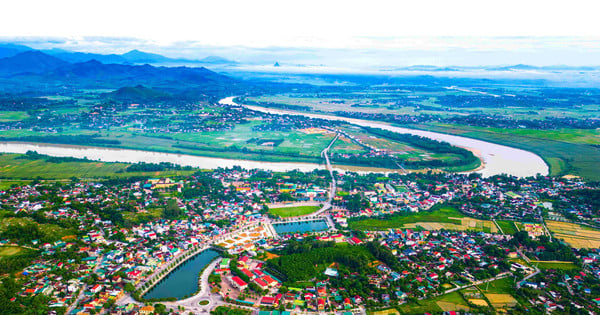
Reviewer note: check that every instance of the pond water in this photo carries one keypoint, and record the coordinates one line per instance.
(307, 226)
(183, 280)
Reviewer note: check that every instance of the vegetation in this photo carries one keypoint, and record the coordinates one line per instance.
(293, 211)
(397, 220)
(565, 156)
(39, 166)
(508, 227)
(226, 310)
(301, 261)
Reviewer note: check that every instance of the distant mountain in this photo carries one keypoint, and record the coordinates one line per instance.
(547, 68)
(9, 50)
(73, 57)
(32, 61)
(216, 60)
(426, 68)
(136, 56)
(138, 93)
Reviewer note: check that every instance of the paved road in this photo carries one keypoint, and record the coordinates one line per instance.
(530, 275)
(499, 276)
(84, 288)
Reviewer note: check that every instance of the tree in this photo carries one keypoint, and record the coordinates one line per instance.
(172, 211)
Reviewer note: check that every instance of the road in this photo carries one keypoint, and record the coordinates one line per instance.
(528, 261)
(499, 276)
(333, 186)
(84, 288)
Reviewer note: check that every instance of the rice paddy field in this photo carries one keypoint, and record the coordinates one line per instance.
(576, 235)
(445, 218)
(566, 151)
(443, 303)
(499, 293)
(508, 227)
(15, 166)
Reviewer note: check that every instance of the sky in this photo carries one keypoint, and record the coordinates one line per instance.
(396, 32)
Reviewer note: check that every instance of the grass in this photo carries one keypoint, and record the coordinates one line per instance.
(431, 305)
(507, 227)
(500, 286)
(440, 215)
(8, 251)
(293, 211)
(12, 116)
(567, 151)
(567, 265)
(14, 167)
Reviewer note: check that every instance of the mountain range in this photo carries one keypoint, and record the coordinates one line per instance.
(132, 57)
(36, 69)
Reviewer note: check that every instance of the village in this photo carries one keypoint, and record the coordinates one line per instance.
(111, 243)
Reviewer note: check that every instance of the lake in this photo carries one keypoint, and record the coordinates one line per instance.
(183, 280)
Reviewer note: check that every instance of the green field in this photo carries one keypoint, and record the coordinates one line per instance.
(14, 166)
(500, 286)
(8, 251)
(567, 265)
(565, 151)
(12, 116)
(441, 215)
(507, 227)
(293, 211)
(431, 305)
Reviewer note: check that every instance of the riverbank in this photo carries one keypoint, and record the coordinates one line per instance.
(496, 158)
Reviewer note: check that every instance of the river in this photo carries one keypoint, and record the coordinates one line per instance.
(497, 159)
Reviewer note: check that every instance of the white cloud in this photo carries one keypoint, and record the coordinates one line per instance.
(329, 23)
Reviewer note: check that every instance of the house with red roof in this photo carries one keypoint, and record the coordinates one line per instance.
(238, 283)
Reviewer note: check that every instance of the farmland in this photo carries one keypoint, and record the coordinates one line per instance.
(18, 166)
(444, 218)
(444, 303)
(576, 235)
(508, 227)
(565, 151)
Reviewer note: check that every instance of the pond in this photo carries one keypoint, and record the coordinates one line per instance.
(307, 226)
(183, 280)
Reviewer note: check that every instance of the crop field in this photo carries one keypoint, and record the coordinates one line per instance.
(445, 218)
(576, 235)
(419, 102)
(444, 303)
(508, 227)
(12, 116)
(560, 265)
(465, 224)
(293, 211)
(564, 152)
(15, 166)
(389, 311)
(501, 300)
(499, 292)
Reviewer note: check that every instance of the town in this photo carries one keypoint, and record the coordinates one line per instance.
(260, 243)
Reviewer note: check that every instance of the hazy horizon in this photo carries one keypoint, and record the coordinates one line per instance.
(375, 52)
